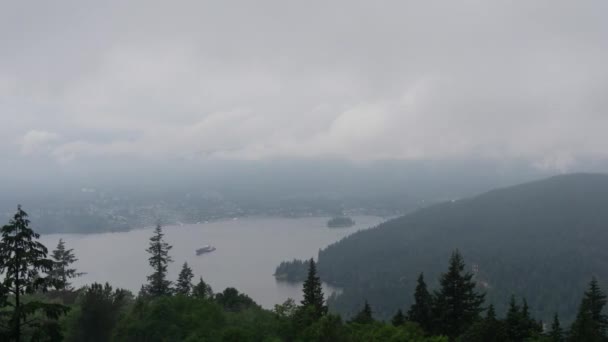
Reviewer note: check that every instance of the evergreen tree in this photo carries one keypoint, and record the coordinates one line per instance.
(61, 272)
(517, 321)
(584, 328)
(398, 319)
(313, 293)
(100, 309)
(143, 292)
(488, 329)
(364, 316)
(457, 304)
(421, 311)
(184, 281)
(590, 323)
(597, 301)
(556, 334)
(23, 261)
(202, 290)
(158, 285)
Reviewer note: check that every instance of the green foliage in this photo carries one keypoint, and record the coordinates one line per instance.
(398, 319)
(158, 285)
(184, 281)
(99, 310)
(232, 300)
(590, 323)
(488, 329)
(379, 332)
(176, 318)
(313, 293)
(457, 305)
(62, 260)
(421, 311)
(328, 328)
(23, 262)
(519, 324)
(295, 270)
(556, 334)
(597, 300)
(364, 316)
(286, 319)
(202, 290)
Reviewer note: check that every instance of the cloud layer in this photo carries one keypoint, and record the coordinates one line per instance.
(273, 79)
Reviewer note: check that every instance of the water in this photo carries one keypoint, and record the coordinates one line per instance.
(248, 250)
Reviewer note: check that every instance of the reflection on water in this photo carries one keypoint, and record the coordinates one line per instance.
(248, 250)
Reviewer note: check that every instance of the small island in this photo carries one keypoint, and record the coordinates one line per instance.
(340, 222)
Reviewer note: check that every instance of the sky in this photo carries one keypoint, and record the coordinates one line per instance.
(84, 81)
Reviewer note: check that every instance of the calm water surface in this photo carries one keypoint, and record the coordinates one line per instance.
(248, 250)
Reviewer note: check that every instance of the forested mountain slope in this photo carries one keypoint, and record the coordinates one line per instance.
(541, 240)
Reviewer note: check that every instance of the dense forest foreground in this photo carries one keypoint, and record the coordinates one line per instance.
(38, 303)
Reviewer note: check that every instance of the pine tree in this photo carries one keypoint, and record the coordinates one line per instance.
(184, 281)
(457, 304)
(202, 290)
(421, 311)
(556, 334)
(365, 316)
(313, 293)
(158, 285)
(61, 271)
(23, 261)
(398, 319)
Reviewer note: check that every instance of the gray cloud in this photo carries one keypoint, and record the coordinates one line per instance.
(272, 79)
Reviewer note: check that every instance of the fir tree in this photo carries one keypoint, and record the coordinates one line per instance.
(184, 281)
(158, 285)
(488, 329)
(517, 327)
(364, 316)
(398, 319)
(421, 311)
(23, 261)
(556, 334)
(584, 328)
(313, 293)
(457, 304)
(63, 258)
(143, 292)
(597, 301)
(202, 290)
(100, 309)
(590, 323)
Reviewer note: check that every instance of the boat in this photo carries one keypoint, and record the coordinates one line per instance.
(205, 249)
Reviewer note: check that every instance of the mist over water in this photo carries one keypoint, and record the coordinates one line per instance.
(248, 250)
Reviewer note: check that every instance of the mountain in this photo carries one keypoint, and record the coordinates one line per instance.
(542, 240)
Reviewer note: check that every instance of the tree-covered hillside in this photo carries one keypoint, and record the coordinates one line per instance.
(540, 240)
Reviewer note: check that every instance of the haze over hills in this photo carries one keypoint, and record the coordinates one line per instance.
(112, 199)
(541, 240)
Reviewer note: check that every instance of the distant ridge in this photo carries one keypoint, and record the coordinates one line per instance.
(543, 240)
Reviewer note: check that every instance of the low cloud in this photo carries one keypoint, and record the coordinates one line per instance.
(401, 80)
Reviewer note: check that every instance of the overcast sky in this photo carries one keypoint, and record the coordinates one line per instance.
(304, 79)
